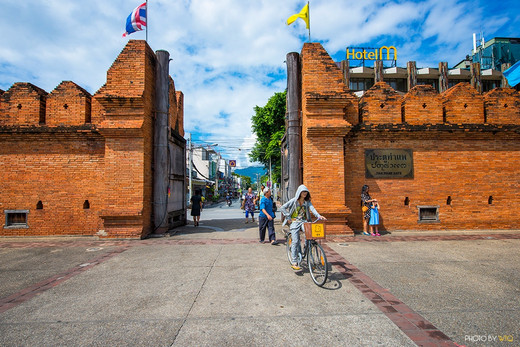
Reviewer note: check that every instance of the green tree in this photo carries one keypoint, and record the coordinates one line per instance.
(269, 127)
(246, 180)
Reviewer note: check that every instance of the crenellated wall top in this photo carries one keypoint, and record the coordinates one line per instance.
(322, 81)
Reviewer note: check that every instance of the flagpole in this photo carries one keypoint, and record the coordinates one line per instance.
(309, 14)
(147, 21)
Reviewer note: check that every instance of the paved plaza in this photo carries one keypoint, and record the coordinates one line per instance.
(216, 285)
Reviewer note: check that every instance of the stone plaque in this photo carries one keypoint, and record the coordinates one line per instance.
(388, 163)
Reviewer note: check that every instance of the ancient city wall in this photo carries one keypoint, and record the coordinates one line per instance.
(81, 164)
(469, 176)
(465, 150)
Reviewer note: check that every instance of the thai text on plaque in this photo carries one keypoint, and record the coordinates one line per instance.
(388, 163)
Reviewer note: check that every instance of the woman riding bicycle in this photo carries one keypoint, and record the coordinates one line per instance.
(296, 212)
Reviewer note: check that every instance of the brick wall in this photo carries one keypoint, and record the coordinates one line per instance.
(23, 104)
(62, 170)
(172, 102)
(421, 105)
(326, 105)
(82, 164)
(126, 107)
(180, 113)
(468, 167)
(502, 106)
(466, 151)
(463, 104)
(68, 104)
(380, 104)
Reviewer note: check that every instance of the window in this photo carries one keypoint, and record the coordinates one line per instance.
(357, 84)
(397, 83)
(205, 154)
(433, 82)
(489, 85)
(454, 82)
(428, 214)
(16, 219)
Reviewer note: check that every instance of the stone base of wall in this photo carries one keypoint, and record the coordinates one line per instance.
(337, 222)
(122, 227)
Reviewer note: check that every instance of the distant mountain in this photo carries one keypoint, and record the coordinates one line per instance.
(251, 171)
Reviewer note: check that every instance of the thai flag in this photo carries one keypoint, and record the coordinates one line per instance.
(136, 20)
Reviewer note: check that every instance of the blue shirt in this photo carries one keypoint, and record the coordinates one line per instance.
(268, 205)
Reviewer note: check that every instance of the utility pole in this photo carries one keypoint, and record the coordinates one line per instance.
(270, 177)
(190, 165)
(216, 171)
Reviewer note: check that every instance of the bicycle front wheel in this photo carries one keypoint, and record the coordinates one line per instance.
(288, 245)
(318, 266)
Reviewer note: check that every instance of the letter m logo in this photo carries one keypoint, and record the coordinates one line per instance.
(387, 52)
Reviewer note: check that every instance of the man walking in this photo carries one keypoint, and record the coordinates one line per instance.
(266, 217)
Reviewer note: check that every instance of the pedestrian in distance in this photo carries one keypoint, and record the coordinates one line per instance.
(296, 212)
(266, 217)
(249, 205)
(228, 198)
(366, 202)
(196, 207)
(260, 196)
(374, 219)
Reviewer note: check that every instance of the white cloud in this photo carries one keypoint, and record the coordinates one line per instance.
(228, 55)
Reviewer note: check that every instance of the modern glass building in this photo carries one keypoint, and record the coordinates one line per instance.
(497, 51)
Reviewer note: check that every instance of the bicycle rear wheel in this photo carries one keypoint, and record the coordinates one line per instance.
(317, 261)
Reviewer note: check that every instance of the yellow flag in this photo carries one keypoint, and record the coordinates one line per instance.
(304, 14)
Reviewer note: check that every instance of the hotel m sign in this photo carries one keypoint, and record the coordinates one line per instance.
(388, 163)
(360, 53)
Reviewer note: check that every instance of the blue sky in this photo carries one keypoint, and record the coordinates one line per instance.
(228, 55)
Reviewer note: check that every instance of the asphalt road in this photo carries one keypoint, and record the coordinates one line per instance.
(216, 285)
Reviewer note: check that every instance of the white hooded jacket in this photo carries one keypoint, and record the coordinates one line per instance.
(290, 206)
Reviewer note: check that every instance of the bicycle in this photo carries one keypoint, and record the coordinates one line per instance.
(313, 252)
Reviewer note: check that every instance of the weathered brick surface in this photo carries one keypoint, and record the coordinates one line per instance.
(321, 76)
(463, 104)
(468, 167)
(502, 106)
(380, 104)
(180, 113)
(23, 104)
(422, 104)
(465, 167)
(68, 104)
(88, 169)
(326, 105)
(172, 101)
(127, 112)
(62, 170)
